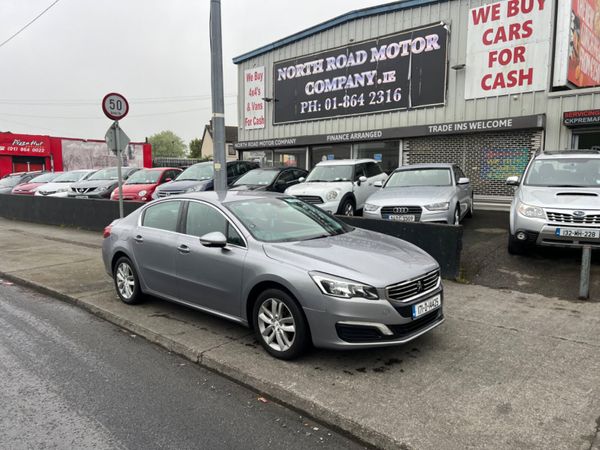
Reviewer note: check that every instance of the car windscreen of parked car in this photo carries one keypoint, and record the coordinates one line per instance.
(285, 220)
(419, 177)
(257, 177)
(197, 172)
(105, 174)
(577, 172)
(331, 173)
(44, 178)
(70, 177)
(144, 177)
(10, 181)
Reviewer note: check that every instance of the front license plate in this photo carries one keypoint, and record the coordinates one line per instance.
(428, 305)
(402, 218)
(578, 233)
(80, 196)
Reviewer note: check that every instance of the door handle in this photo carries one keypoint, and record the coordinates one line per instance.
(139, 239)
(183, 249)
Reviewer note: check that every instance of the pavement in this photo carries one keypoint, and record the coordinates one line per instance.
(507, 369)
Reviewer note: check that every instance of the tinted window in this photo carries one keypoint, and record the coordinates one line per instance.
(232, 170)
(286, 176)
(162, 216)
(202, 219)
(299, 174)
(373, 170)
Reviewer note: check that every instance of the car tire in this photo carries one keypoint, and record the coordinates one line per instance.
(471, 208)
(347, 207)
(515, 247)
(127, 282)
(280, 325)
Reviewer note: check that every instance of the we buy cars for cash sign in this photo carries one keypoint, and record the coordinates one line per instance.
(508, 46)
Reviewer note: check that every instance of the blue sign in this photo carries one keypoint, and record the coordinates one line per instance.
(377, 156)
(330, 157)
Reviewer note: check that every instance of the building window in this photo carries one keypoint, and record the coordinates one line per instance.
(328, 152)
(230, 150)
(387, 153)
(262, 157)
(290, 157)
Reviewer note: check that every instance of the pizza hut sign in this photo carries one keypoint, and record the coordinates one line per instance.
(508, 45)
(11, 144)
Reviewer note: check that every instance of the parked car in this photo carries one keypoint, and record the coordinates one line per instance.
(289, 270)
(423, 193)
(200, 177)
(340, 186)
(557, 201)
(30, 187)
(140, 186)
(61, 185)
(8, 182)
(276, 179)
(100, 184)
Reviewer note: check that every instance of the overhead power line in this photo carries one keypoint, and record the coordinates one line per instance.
(141, 100)
(28, 24)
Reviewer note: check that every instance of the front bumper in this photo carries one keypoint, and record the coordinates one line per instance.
(445, 216)
(96, 195)
(543, 232)
(357, 323)
(330, 207)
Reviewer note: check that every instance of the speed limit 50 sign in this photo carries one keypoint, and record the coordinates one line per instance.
(115, 106)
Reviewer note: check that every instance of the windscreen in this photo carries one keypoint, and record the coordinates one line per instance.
(144, 177)
(328, 173)
(420, 177)
(197, 172)
(257, 177)
(563, 172)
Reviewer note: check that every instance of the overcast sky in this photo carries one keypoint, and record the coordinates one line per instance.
(155, 52)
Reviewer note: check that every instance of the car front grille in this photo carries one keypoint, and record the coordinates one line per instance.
(402, 210)
(82, 190)
(559, 217)
(418, 286)
(47, 192)
(162, 194)
(313, 199)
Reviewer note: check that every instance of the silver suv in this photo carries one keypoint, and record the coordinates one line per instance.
(557, 201)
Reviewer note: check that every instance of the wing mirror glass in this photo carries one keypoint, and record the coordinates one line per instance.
(301, 180)
(214, 239)
(378, 183)
(512, 181)
(463, 180)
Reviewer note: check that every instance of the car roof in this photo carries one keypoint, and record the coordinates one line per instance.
(225, 197)
(568, 154)
(426, 166)
(345, 162)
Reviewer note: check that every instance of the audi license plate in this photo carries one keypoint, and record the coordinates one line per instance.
(402, 217)
(578, 233)
(427, 306)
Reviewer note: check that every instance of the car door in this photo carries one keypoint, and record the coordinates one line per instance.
(463, 191)
(210, 277)
(155, 246)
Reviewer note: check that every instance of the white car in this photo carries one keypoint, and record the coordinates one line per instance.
(340, 186)
(61, 185)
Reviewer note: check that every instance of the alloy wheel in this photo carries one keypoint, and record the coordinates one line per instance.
(125, 280)
(276, 324)
(348, 209)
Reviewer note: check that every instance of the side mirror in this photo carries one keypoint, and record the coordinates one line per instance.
(512, 181)
(378, 183)
(361, 179)
(301, 180)
(463, 180)
(214, 239)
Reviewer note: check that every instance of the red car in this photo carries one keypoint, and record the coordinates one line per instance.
(141, 184)
(29, 187)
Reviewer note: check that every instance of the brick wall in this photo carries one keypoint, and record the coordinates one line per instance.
(486, 158)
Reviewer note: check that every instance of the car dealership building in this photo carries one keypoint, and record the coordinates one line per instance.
(481, 85)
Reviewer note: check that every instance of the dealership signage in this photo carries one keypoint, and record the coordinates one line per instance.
(581, 118)
(254, 94)
(403, 70)
(468, 126)
(577, 56)
(24, 145)
(508, 44)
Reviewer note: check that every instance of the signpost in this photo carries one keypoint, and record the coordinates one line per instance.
(115, 107)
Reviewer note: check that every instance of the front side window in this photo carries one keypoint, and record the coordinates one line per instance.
(563, 172)
(419, 177)
(163, 216)
(203, 219)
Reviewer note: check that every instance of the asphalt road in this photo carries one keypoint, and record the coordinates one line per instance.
(549, 271)
(70, 380)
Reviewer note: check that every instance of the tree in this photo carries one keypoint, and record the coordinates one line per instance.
(167, 144)
(196, 148)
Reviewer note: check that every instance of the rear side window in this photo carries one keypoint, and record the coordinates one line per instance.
(373, 169)
(163, 216)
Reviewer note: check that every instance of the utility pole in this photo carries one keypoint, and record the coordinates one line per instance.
(218, 116)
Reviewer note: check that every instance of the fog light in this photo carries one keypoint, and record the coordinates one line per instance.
(521, 235)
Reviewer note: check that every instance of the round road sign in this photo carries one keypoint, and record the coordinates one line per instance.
(115, 106)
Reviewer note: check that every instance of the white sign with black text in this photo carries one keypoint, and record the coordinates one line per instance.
(254, 93)
(508, 46)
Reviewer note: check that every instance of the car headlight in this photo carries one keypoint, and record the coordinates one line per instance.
(442, 206)
(197, 188)
(102, 188)
(370, 207)
(343, 288)
(63, 189)
(331, 195)
(531, 211)
(142, 193)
